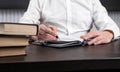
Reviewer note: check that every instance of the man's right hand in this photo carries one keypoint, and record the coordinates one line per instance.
(45, 33)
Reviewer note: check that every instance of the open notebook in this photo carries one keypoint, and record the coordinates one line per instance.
(60, 44)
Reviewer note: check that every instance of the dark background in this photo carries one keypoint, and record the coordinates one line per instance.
(14, 4)
(22, 4)
(111, 5)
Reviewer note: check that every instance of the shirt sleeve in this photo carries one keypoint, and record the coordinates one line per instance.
(32, 14)
(102, 21)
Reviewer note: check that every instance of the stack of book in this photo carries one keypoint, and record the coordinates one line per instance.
(14, 38)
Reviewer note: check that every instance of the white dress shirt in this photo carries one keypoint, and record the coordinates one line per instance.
(72, 18)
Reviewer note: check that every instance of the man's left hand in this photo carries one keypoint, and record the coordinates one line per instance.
(98, 37)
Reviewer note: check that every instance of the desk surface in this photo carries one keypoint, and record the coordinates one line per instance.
(106, 56)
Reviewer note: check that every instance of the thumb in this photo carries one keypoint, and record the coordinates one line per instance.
(32, 38)
(54, 30)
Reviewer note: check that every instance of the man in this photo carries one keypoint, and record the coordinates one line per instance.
(71, 20)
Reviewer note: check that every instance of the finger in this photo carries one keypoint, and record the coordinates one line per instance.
(54, 29)
(47, 37)
(91, 35)
(41, 32)
(33, 38)
(99, 42)
(46, 29)
(93, 41)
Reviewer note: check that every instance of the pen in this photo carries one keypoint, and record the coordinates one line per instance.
(51, 28)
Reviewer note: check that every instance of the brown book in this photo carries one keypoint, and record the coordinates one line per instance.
(18, 29)
(13, 40)
(12, 51)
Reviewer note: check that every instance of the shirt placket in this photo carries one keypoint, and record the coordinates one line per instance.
(69, 16)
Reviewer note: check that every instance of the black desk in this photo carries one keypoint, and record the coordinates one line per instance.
(42, 59)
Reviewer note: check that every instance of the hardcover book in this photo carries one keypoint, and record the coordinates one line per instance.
(11, 40)
(18, 29)
(12, 51)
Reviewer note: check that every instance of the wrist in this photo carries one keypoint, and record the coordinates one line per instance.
(110, 33)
